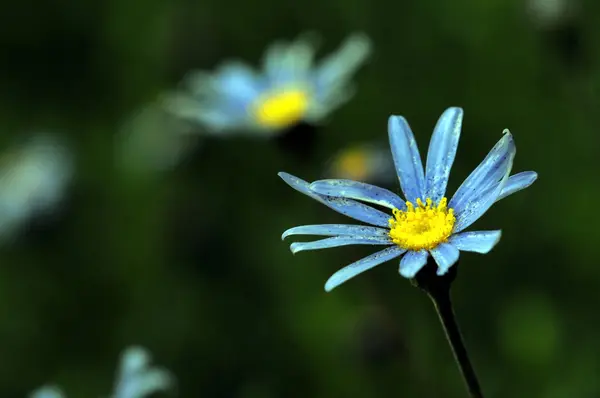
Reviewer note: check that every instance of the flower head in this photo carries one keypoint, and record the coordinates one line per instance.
(136, 378)
(424, 222)
(289, 89)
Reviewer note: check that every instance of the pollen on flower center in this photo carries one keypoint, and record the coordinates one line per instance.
(423, 226)
(281, 108)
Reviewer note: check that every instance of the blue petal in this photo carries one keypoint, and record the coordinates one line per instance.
(479, 179)
(335, 230)
(337, 68)
(406, 158)
(347, 207)
(218, 119)
(517, 182)
(442, 150)
(445, 255)
(473, 197)
(359, 191)
(514, 183)
(412, 262)
(276, 63)
(476, 241)
(337, 241)
(360, 266)
(238, 81)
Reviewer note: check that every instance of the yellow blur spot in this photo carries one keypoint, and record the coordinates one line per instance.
(281, 108)
(352, 164)
(422, 227)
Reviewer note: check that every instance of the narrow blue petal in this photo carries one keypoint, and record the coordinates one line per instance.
(479, 180)
(412, 262)
(279, 63)
(445, 255)
(358, 211)
(336, 230)
(358, 190)
(514, 183)
(238, 81)
(347, 207)
(442, 150)
(337, 241)
(300, 185)
(474, 204)
(336, 69)
(360, 266)
(218, 119)
(476, 241)
(406, 158)
(517, 182)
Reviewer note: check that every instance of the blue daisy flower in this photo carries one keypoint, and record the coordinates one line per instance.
(137, 378)
(290, 89)
(425, 223)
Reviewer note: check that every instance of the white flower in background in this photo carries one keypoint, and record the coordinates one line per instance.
(33, 178)
(153, 140)
(363, 162)
(136, 378)
(551, 13)
(290, 88)
(47, 392)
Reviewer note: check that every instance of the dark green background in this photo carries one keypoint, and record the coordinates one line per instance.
(190, 264)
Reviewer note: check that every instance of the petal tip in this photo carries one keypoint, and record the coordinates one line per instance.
(294, 248)
(534, 176)
(455, 110)
(396, 124)
(408, 273)
(330, 285)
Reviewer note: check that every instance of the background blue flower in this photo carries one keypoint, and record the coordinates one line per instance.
(225, 101)
(135, 378)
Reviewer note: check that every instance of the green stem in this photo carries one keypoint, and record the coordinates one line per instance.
(443, 306)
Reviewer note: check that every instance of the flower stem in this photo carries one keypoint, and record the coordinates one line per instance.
(438, 289)
(443, 306)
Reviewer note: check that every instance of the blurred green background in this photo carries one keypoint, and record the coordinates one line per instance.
(190, 263)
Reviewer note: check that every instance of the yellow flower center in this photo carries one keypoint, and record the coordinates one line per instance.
(281, 108)
(422, 227)
(353, 164)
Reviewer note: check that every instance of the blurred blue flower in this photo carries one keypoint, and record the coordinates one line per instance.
(135, 378)
(426, 223)
(33, 178)
(290, 88)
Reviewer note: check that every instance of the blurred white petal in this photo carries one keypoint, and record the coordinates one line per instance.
(137, 378)
(33, 178)
(153, 140)
(47, 392)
